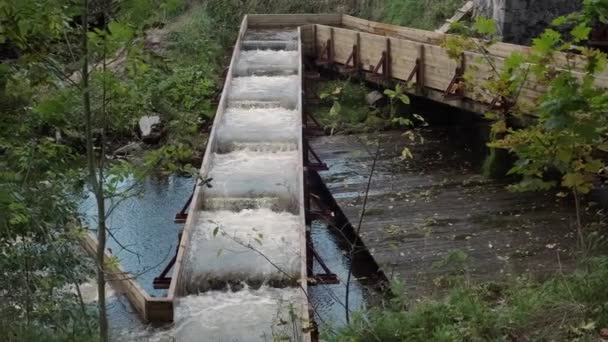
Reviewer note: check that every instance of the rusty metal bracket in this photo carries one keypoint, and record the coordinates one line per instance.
(327, 278)
(384, 63)
(418, 71)
(162, 281)
(315, 127)
(455, 89)
(182, 216)
(328, 51)
(500, 102)
(354, 57)
(317, 165)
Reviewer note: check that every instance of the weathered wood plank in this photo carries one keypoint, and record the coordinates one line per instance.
(421, 210)
(176, 288)
(467, 8)
(502, 50)
(149, 309)
(439, 68)
(269, 20)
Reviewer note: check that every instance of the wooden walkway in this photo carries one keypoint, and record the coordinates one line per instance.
(421, 210)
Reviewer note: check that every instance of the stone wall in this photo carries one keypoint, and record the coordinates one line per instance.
(521, 20)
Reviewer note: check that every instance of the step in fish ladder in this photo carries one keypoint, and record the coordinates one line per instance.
(243, 246)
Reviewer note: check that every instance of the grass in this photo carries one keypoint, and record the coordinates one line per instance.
(422, 14)
(564, 308)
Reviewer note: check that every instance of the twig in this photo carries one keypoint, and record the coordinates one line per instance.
(361, 217)
(249, 246)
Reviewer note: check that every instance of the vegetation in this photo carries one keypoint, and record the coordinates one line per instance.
(72, 89)
(567, 307)
(428, 14)
(561, 146)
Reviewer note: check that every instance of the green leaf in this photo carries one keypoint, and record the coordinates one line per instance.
(491, 116)
(406, 154)
(603, 147)
(215, 231)
(499, 127)
(576, 181)
(547, 42)
(594, 166)
(335, 109)
(390, 93)
(404, 99)
(581, 32)
(485, 26)
(559, 21)
(514, 61)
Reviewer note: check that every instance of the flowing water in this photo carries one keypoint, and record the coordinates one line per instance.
(244, 255)
(248, 231)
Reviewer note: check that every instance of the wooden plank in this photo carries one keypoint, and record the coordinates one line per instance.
(439, 68)
(412, 223)
(307, 38)
(460, 13)
(149, 309)
(502, 50)
(304, 311)
(176, 287)
(269, 20)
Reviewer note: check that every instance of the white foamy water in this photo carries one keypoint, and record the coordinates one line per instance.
(273, 129)
(246, 232)
(262, 62)
(244, 316)
(281, 89)
(237, 251)
(252, 174)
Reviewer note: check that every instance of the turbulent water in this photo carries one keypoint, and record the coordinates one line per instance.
(219, 252)
(252, 201)
(248, 229)
(251, 174)
(245, 315)
(270, 129)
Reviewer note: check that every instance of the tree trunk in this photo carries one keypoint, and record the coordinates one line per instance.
(95, 179)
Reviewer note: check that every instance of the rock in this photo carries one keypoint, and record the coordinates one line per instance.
(375, 98)
(128, 149)
(150, 129)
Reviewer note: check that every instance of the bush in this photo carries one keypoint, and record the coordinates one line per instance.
(427, 14)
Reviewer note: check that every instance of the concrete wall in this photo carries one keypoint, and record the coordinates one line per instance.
(521, 20)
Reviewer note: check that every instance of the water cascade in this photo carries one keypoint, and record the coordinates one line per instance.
(244, 258)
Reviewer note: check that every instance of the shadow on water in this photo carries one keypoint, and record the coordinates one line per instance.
(329, 300)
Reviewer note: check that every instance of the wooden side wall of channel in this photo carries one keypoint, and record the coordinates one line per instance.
(148, 308)
(499, 49)
(438, 68)
(274, 20)
(176, 287)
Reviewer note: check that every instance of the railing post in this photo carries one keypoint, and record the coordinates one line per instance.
(420, 73)
(388, 61)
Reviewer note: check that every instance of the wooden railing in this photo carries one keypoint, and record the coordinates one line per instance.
(388, 52)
